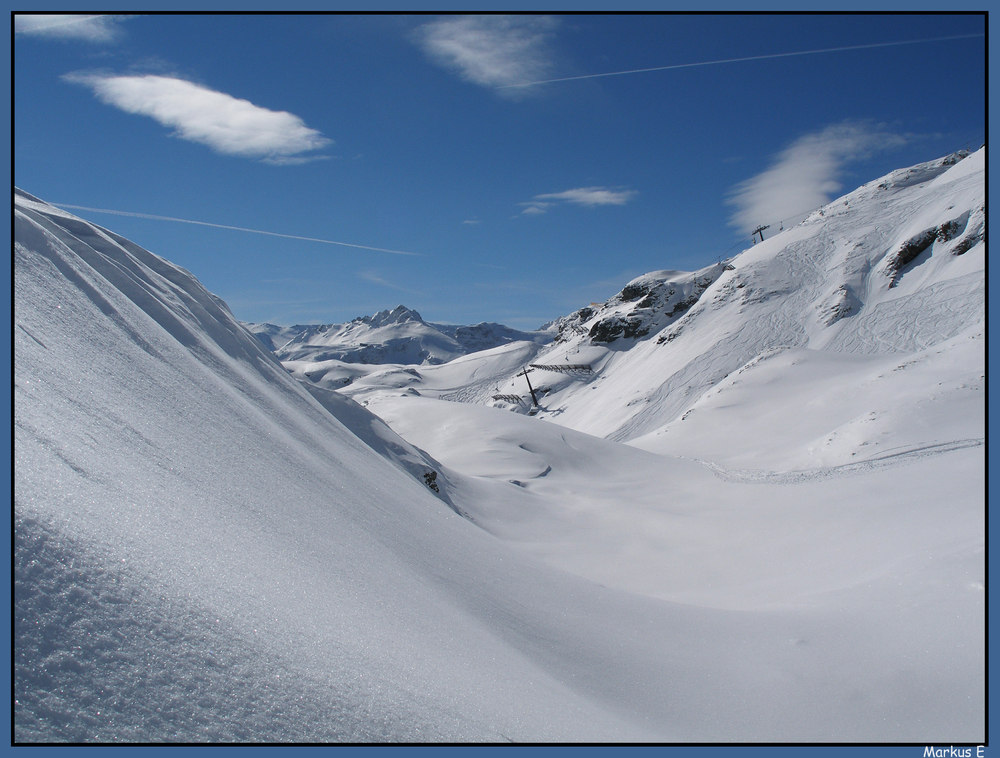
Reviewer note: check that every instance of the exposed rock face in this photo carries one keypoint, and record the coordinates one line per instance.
(645, 305)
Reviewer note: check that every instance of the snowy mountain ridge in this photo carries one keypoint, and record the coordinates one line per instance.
(399, 335)
(895, 267)
(648, 303)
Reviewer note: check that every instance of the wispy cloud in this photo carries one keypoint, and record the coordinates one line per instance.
(375, 278)
(805, 175)
(590, 196)
(67, 26)
(224, 123)
(534, 208)
(586, 196)
(232, 228)
(491, 51)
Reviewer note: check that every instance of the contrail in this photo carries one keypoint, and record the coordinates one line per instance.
(741, 60)
(233, 228)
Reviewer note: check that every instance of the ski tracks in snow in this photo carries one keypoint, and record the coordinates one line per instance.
(875, 463)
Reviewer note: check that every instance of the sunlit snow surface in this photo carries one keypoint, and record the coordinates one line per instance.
(777, 533)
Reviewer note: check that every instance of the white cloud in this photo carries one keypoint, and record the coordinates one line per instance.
(591, 196)
(224, 123)
(805, 175)
(67, 26)
(492, 51)
(535, 209)
(585, 196)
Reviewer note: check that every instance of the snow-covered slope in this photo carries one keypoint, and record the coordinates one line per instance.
(399, 336)
(205, 552)
(816, 411)
(207, 548)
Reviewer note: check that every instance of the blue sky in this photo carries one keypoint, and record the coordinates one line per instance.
(455, 189)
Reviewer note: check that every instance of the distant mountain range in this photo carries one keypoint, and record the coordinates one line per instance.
(396, 336)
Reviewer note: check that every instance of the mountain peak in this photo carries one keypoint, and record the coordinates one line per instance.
(398, 315)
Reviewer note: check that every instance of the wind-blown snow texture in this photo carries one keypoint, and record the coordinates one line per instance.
(791, 547)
